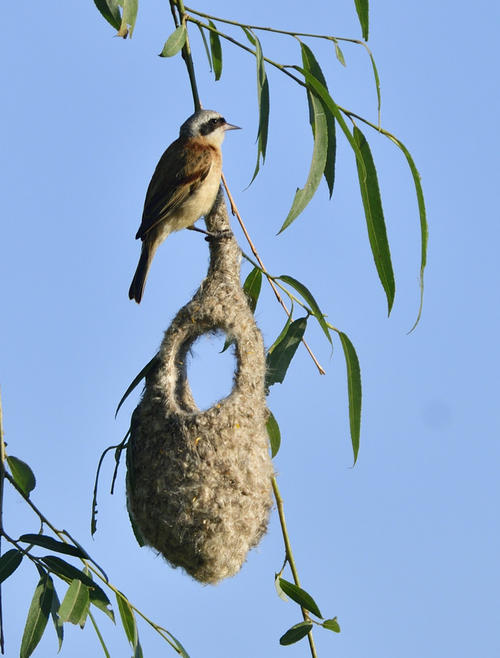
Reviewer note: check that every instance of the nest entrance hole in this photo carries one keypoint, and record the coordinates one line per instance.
(210, 370)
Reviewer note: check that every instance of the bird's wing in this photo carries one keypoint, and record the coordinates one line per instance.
(175, 178)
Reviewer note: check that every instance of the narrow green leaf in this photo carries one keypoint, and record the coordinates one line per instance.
(277, 586)
(320, 148)
(75, 604)
(179, 647)
(205, 43)
(38, 615)
(374, 215)
(263, 102)
(424, 231)
(82, 550)
(175, 42)
(103, 605)
(331, 153)
(283, 332)
(22, 474)
(99, 635)
(216, 48)
(273, 431)
(9, 563)
(312, 65)
(109, 10)
(310, 301)
(68, 573)
(296, 633)
(338, 52)
(279, 359)
(332, 625)
(300, 596)
(58, 623)
(250, 36)
(263, 108)
(252, 287)
(227, 344)
(323, 93)
(128, 619)
(138, 651)
(362, 9)
(354, 391)
(129, 15)
(53, 545)
(144, 373)
(377, 83)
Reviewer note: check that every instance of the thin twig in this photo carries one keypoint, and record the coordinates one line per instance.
(289, 556)
(277, 65)
(235, 212)
(291, 33)
(173, 7)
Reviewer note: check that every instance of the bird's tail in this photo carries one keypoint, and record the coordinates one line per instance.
(141, 273)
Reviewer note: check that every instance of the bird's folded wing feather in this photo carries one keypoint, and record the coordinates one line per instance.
(176, 177)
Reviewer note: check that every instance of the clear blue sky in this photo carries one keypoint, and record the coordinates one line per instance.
(404, 547)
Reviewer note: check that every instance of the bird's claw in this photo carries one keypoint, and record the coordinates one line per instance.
(220, 235)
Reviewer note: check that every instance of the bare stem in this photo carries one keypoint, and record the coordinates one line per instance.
(289, 556)
(174, 15)
(235, 212)
(186, 56)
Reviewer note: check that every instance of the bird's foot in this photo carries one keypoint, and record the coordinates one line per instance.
(219, 235)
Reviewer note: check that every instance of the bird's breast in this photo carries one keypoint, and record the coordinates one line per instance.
(201, 200)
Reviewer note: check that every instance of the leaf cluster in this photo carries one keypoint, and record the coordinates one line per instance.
(308, 605)
(82, 594)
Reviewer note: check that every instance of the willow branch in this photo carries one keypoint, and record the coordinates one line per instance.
(289, 556)
(292, 33)
(284, 69)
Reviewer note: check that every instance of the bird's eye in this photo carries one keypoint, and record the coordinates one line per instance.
(211, 125)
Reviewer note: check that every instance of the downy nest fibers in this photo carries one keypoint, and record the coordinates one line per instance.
(199, 482)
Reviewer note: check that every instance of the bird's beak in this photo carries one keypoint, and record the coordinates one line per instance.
(229, 126)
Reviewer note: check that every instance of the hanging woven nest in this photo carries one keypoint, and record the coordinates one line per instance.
(199, 482)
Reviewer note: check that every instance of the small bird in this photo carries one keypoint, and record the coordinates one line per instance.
(183, 187)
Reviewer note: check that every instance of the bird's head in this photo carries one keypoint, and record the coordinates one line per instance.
(208, 124)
